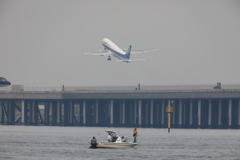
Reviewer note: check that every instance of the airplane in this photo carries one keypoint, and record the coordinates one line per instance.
(122, 55)
(4, 82)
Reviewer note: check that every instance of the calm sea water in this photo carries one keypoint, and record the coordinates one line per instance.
(47, 142)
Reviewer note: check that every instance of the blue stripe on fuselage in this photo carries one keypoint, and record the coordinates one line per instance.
(117, 53)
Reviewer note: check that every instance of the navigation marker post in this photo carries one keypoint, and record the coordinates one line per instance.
(169, 109)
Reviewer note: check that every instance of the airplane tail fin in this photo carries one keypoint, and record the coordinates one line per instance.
(128, 52)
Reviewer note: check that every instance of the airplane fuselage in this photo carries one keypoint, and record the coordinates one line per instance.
(123, 55)
(115, 50)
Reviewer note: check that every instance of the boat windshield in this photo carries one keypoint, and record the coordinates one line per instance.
(113, 134)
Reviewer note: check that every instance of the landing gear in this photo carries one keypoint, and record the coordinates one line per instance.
(109, 58)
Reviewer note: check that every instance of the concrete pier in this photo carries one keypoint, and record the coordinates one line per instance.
(192, 108)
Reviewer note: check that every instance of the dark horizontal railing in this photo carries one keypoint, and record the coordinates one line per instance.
(122, 88)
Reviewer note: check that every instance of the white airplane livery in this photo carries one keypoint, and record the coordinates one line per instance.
(122, 55)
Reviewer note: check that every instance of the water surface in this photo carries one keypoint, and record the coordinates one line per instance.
(48, 142)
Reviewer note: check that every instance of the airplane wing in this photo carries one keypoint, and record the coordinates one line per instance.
(132, 60)
(99, 53)
(140, 51)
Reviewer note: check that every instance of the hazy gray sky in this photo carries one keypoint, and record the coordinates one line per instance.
(42, 42)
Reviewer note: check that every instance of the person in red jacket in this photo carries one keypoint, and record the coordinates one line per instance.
(135, 133)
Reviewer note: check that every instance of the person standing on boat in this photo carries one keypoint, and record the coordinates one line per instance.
(94, 142)
(135, 133)
(109, 137)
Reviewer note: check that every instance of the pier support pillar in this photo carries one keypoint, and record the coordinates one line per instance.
(158, 112)
(54, 113)
(59, 113)
(131, 113)
(1, 112)
(174, 113)
(184, 113)
(191, 113)
(24, 112)
(62, 112)
(169, 103)
(162, 111)
(219, 113)
(111, 112)
(151, 113)
(239, 113)
(96, 112)
(230, 113)
(79, 113)
(4, 112)
(209, 113)
(180, 114)
(135, 113)
(199, 113)
(66, 113)
(8, 111)
(147, 113)
(46, 113)
(11, 113)
(31, 112)
(139, 112)
(71, 113)
(123, 112)
(84, 112)
(36, 111)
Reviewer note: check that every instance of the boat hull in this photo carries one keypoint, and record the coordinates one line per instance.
(115, 145)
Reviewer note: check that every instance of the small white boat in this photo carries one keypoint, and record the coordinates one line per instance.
(115, 143)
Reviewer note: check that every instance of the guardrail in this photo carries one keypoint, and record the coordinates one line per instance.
(125, 88)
